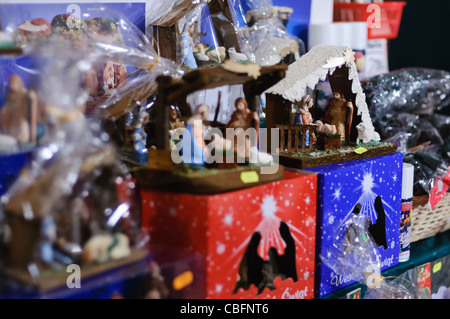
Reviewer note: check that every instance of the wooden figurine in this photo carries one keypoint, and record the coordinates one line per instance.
(340, 114)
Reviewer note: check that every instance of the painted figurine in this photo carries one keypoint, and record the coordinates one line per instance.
(174, 121)
(186, 43)
(304, 117)
(196, 157)
(243, 118)
(49, 236)
(325, 128)
(19, 114)
(340, 114)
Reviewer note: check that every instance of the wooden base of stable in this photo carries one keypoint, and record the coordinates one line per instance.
(11, 51)
(207, 181)
(51, 279)
(345, 154)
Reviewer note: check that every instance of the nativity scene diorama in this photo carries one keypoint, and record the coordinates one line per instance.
(192, 154)
(310, 138)
(186, 35)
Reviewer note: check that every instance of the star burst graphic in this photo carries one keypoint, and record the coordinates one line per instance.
(269, 228)
(367, 198)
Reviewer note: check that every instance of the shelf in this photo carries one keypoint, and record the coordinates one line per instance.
(422, 252)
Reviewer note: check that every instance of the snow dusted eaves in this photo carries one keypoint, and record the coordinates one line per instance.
(313, 67)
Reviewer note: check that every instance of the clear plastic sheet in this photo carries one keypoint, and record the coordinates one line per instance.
(354, 253)
(406, 107)
(129, 62)
(75, 196)
(118, 67)
(265, 40)
(183, 31)
(198, 37)
(75, 201)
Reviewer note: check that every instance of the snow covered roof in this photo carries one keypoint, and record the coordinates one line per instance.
(313, 67)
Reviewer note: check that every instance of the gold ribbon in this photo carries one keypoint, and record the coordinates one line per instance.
(62, 115)
(149, 66)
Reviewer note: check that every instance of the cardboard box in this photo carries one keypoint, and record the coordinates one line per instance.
(341, 187)
(224, 228)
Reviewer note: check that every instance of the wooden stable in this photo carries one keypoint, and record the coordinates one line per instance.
(162, 173)
(166, 32)
(337, 65)
(224, 25)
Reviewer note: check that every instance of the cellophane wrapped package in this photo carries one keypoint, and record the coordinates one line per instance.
(74, 203)
(262, 36)
(183, 31)
(407, 108)
(354, 252)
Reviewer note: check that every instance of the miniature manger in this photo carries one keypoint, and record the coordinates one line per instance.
(344, 133)
(193, 173)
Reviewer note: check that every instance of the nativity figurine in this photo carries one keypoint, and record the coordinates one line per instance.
(340, 114)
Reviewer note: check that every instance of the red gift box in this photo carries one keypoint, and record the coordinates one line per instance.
(233, 233)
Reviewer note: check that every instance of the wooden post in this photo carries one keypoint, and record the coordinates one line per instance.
(297, 132)
(162, 115)
(281, 128)
(166, 41)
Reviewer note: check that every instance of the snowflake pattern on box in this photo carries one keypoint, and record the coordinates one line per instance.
(341, 187)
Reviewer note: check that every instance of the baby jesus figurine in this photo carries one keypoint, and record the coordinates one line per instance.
(340, 114)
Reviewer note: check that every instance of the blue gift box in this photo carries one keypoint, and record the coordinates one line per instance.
(341, 187)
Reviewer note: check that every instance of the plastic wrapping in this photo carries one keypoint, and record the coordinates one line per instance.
(129, 60)
(354, 253)
(264, 38)
(198, 35)
(406, 107)
(74, 202)
(118, 67)
(75, 198)
(183, 31)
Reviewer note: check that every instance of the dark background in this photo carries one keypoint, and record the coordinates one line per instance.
(424, 35)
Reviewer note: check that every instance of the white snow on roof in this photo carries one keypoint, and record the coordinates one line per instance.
(313, 67)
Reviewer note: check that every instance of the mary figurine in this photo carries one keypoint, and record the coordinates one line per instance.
(186, 43)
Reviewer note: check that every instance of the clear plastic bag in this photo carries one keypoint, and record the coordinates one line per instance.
(405, 105)
(354, 252)
(129, 62)
(74, 203)
(183, 31)
(264, 39)
(75, 196)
